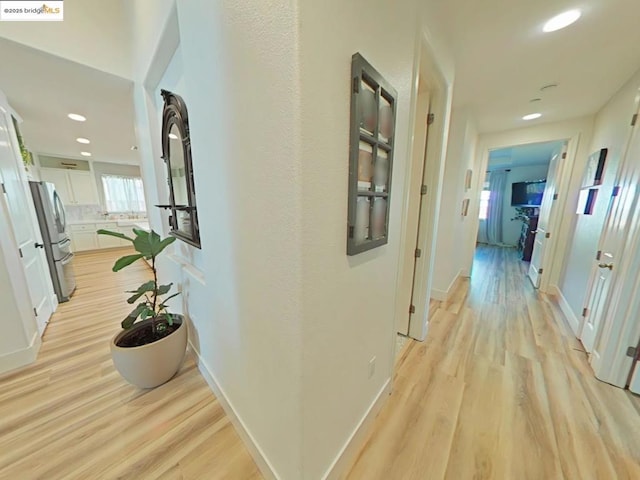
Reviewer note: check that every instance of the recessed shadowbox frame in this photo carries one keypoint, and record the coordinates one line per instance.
(371, 149)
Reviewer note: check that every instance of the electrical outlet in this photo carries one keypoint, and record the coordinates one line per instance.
(372, 366)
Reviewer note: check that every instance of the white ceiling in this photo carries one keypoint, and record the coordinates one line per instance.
(43, 89)
(522, 155)
(502, 57)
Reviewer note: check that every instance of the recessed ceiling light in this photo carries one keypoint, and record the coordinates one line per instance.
(77, 117)
(561, 21)
(85, 154)
(173, 136)
(86, 141)
(532, 116)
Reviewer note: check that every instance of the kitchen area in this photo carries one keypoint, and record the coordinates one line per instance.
(74, 199)
(69, 166)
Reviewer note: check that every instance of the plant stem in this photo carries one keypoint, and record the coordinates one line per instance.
(155, 293)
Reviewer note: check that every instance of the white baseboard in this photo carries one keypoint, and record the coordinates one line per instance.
(21, 358)
(254, 449)
(354, 443)
(572, 320)
(443, 295)
(347, 453)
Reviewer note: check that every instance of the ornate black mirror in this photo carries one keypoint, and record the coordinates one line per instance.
(176, 152)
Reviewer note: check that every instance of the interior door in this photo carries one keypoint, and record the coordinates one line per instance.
(23, 219)
(542, 233)
(597, 301)
(612, 326)
(634, 382)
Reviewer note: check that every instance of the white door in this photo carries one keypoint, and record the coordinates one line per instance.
(634, 385)
(597, 300)
(23, 219)
(414, 201)
(544, 219)
(612, 327)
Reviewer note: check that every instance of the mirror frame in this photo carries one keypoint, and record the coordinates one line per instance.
(175, 113)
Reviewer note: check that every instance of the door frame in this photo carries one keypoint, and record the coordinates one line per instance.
(553, 222)
(527, 136)
(429, 70)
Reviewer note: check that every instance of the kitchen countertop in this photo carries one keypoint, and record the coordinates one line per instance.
(121, 221)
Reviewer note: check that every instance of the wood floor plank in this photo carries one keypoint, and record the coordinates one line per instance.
(510, 389)
(71, 416)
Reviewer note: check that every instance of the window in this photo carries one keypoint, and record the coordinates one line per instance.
(485, 195)
(123, 194)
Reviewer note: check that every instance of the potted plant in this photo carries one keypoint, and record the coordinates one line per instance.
(151, 346)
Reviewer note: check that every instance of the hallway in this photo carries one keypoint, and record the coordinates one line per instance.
(71, 416)
(501, 389)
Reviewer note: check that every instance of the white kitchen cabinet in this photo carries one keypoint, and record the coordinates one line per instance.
(60, 179)
(83, 188)
(74, 187)
(106, 241)
(82, 241)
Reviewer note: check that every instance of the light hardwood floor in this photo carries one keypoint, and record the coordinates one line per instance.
(501, 389)
(71, 416)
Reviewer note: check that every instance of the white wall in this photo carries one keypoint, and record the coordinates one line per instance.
(94, 33)
(453, 228)
(612, 128)
(284, 321)
(348, 301)
(511, 229)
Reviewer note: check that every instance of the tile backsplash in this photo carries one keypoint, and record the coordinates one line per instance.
(78, 213)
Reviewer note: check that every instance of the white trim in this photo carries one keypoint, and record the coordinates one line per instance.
(571, 318)
(352, 446)
(249, 441)
(429, 68)
(20, 358)
(444, 295)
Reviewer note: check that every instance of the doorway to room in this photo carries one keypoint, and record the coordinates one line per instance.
(517, 202)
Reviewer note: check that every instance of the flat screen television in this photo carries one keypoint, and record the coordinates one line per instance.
(527, 194)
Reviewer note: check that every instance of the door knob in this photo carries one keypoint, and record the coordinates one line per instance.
(39, 245)
(606, 265)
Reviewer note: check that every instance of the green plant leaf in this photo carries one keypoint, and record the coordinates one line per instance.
(114, 234)
(167, 316)
(165, 243)
(142, 289)
(164, 302)
(164, 289)
(149, 244)
(133, 316)
(146, 313)
(126, 261)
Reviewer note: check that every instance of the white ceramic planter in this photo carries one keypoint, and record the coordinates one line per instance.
(153, 364)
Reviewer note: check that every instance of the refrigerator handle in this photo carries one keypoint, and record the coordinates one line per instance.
(60, 213)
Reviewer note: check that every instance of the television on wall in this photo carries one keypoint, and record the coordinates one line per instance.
(527, 194)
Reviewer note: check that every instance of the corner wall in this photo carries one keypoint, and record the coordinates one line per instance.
(453, 228)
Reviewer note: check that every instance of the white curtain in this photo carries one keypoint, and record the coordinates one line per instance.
(497, 183)
(123, 194)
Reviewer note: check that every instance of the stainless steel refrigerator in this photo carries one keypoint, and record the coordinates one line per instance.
(56, 241)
